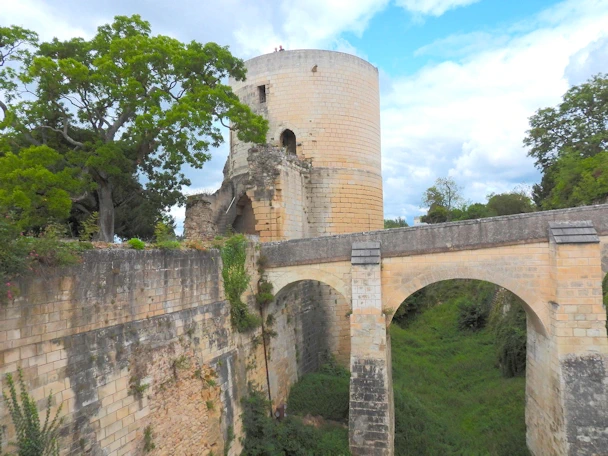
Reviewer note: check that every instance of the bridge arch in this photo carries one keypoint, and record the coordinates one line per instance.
(532, 302)
(310, 318)
(280, 279)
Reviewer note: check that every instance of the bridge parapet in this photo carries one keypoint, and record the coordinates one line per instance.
(445, 237)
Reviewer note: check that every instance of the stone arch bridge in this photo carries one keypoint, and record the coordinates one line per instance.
(554, 261)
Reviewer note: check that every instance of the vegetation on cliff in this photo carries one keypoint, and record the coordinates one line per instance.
(236, 280)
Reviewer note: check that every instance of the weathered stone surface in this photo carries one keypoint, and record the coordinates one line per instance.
(445, 237)
(575, 232)
(94, 332)
(586, 404)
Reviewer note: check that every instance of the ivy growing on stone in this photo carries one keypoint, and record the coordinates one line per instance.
(236, 280)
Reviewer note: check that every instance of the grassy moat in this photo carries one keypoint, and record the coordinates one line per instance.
(450, 395)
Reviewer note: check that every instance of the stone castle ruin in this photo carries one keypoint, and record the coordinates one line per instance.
(138, 347)
(319, 173)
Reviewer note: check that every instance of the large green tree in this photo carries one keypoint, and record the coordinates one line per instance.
(127, 105)
(569, 143)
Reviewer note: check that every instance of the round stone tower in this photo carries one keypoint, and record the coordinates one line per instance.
(324, 107)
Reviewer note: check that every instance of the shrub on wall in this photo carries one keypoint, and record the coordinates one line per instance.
(136, 244)
(236, 279)
(21, 254)
(34, 438)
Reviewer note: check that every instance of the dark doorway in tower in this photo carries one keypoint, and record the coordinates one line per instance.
(244, 221)
(288, 141)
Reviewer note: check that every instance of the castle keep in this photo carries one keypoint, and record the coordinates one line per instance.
(320, 172)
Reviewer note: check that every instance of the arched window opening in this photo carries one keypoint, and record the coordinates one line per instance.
(245, 218)
(288, 141)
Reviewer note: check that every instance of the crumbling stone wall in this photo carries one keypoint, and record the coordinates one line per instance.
(277, 185)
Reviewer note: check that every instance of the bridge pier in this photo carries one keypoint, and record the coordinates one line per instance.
(371, 418)
(567, 372)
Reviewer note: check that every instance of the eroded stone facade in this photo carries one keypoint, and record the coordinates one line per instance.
(135, 342)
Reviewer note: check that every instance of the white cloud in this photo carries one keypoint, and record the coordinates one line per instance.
(433, 7)
(40, 17)
(589, 61)
(302, 25)
(467, 117)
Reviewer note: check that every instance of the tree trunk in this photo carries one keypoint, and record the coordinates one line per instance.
(106, 212)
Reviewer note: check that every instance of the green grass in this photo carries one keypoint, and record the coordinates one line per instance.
(324, 393)
(450, 397)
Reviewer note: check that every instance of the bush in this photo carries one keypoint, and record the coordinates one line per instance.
(266, 436)
(33, 437)
(472, 315)
(163, 233)
(168, 245)
(511, 339)
(90, 227)
(324, 393)
(21, 255)
(136, 244)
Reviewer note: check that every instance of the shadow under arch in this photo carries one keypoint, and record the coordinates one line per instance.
(310, 321)
(394, 300)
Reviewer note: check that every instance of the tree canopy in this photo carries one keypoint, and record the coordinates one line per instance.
(569, 143)
(126, 107)
(513, 202)
(398, 222)
(441, 199)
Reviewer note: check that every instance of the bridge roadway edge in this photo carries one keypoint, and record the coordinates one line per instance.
(445, 237)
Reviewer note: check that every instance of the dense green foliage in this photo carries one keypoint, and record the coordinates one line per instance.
(35, 188)
(450, 399)
(398, 222)
(472, 314)
(121, 105)
(441, 199)
(570, 145)
(514, 202)
(265, 436)
(236, 279)
(33, 437)
(509, 326)
(324, 393)
(136, 244)
(440, 292)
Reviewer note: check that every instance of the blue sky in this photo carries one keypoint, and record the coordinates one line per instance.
(459, 78)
